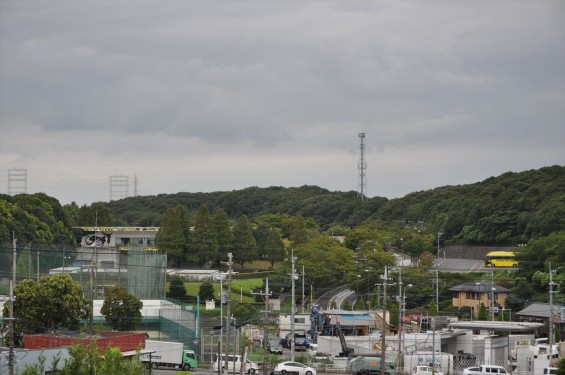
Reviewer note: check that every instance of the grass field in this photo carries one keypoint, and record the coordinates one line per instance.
(240, 289)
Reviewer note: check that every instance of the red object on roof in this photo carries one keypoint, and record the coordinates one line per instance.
(122, 340)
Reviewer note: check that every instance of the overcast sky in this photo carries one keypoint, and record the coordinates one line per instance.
(202, 96)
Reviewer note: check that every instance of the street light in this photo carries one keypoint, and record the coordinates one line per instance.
(480, 299)
(357, 293)
(403, 313)
(368, 299)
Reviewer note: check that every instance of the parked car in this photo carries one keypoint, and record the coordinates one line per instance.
(293, 368)
(425, 370)
(471, 370)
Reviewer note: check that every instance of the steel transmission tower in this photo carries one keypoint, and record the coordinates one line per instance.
(17, 181)
(119, 187)
(362, 166)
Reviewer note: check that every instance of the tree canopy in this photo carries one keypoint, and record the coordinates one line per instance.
(121, 310)
(56, 301)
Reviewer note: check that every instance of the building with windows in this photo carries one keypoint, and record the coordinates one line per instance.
(473, 294)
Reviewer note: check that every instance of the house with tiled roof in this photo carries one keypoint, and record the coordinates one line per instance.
(540, 312)
(473, 294)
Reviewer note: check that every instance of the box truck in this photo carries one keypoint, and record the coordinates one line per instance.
(170, 354)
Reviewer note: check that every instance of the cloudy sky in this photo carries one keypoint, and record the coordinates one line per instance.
(201, 96)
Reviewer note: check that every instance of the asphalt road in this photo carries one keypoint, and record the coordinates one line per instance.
(466, 265)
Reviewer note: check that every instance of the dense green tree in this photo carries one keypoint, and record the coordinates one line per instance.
(87, 360)
(25, 266)
(206, 291)
(121, 310)
(174, 235)
(260, 232)
(245, 313)
(432, 308)
(298, 235)
(177, 289)
(483, 314)
(95, 215)
(56, 301)
(204, 245)
(549, 218)
(244, 248)
(328, 262)
(224, 234)
(394, 311)
(274, 248)
(537, 256)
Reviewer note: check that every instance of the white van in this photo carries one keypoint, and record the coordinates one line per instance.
(484, 370)
(234, 364)
(550, 371)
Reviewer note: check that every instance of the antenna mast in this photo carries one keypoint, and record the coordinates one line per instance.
(362, 166)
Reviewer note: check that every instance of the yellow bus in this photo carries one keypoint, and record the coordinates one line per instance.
(501, 259)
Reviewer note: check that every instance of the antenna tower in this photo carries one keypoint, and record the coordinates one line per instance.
(362, 166)
(17, 181)
(119, 187)
(135, 184)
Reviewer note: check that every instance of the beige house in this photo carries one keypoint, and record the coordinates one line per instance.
(472, 294)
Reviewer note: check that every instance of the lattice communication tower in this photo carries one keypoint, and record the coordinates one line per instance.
(362, 166)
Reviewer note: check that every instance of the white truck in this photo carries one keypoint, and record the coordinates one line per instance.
(169, 354)
(439, 361)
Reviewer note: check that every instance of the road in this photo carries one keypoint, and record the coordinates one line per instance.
(197, 371)
(466, 265)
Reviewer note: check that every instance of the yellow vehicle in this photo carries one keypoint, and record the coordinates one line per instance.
(501, 259)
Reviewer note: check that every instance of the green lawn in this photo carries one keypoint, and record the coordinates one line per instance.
(240, 289)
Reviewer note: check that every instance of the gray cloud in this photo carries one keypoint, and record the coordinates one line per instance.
(204, 96)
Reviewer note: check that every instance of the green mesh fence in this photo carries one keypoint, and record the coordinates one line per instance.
(146, 274)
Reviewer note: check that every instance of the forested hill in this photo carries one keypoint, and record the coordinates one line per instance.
(510, 208)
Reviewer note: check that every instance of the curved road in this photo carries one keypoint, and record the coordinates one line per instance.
(338, 295)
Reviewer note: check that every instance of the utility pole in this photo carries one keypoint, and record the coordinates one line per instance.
(437, 272)
(383, 329)
(228, 316)
(11, 318)
(400, 309)
(265, 296)
(437, 290)
(303, 296)
(220, 342)
(293, 277)
(551, 292)
(492, 288)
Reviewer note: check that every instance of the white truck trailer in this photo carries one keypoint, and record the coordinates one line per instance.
(169, 354)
